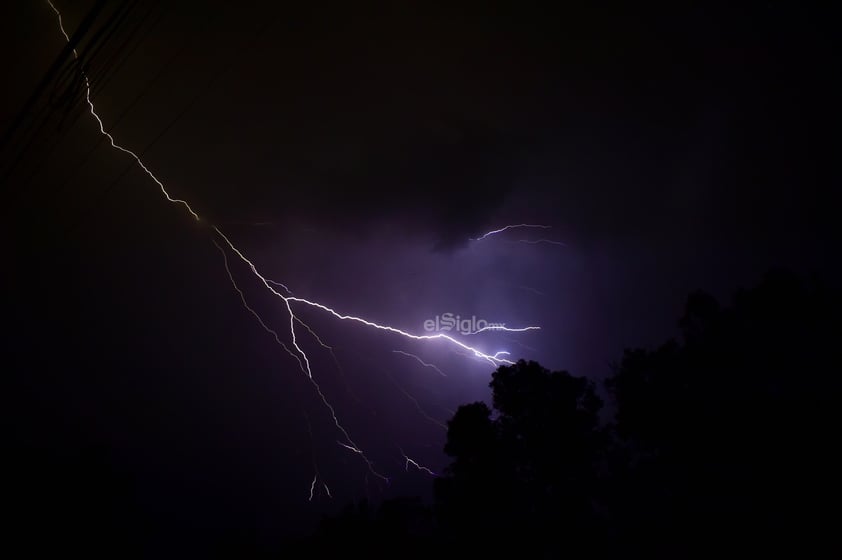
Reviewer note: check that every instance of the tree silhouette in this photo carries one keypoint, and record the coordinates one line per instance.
(727, 432)
(529, 467)
(722, 440)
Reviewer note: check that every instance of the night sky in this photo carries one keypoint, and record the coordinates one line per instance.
(353, 152)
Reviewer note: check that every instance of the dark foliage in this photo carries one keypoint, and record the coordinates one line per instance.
(727, 434)
(721, 442)
(538, 454)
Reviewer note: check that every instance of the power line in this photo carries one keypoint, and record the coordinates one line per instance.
(50, 75)
(81, 109)
(141, 94)
(112, 67)
(79, 66)
(103, 195)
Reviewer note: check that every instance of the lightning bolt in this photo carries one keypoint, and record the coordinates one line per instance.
(422, 362)
(296, 351)
(415, 464)
(317, 475)
(257, 316)
(459, 352)
(301, 357)
(332, 355)
(318, 339)
(493, 359)
(303, 365)
(278, 284)
(504, 228)
(349, 447)
(312, 487)
(106, 134)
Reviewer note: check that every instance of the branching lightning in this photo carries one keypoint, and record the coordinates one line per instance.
(289, 300)
(422, 362)
(313, 488)
(278, 284)
(493, 359)
(252, 311)
(332, 355)
(107, 135)
(301, 364)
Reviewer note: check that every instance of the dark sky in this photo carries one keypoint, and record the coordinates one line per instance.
(352, 151)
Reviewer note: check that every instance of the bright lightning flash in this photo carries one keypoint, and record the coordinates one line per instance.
(296, 351)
